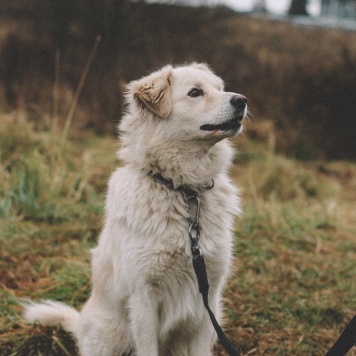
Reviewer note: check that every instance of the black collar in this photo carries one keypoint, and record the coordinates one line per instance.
(186, 189)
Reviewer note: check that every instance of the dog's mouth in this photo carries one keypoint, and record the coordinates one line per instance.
(231, 126)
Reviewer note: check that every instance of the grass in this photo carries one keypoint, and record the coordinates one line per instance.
(292, 289)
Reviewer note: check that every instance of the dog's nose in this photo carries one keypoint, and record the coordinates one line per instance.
(238, 101)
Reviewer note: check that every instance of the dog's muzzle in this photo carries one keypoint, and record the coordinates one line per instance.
(239, 104)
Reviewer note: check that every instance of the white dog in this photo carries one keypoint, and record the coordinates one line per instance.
(145, 298)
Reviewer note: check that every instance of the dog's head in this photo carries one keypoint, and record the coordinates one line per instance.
(192, 99)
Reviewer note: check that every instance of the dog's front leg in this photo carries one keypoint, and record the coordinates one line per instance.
(144, 323)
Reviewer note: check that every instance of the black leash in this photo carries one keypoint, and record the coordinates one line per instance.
(346, 340)
(200, 272)
(191, 196)
(342, 345)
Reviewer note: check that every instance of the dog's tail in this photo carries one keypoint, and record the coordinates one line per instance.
(51, 313)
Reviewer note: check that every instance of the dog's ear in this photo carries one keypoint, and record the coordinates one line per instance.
(154, 92)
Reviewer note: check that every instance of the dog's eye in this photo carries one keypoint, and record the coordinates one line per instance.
(196, 92)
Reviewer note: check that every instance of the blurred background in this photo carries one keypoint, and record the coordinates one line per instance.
(64, 65)
(294, 60)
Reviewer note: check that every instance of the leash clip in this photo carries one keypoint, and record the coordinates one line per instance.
(196, 251)
(196, 201)
(194, 228)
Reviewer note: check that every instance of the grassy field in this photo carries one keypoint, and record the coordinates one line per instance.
(293, 285)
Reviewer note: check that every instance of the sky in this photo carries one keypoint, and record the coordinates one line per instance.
(279, 7)
(275, 6)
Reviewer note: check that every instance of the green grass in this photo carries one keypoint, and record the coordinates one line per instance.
(292, 288)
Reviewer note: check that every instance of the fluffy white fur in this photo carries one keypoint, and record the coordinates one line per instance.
(145, 298)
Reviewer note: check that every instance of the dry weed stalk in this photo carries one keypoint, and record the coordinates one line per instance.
(83, 77)
(56, 90)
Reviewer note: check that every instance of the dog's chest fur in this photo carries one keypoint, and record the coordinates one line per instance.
(158, 250)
